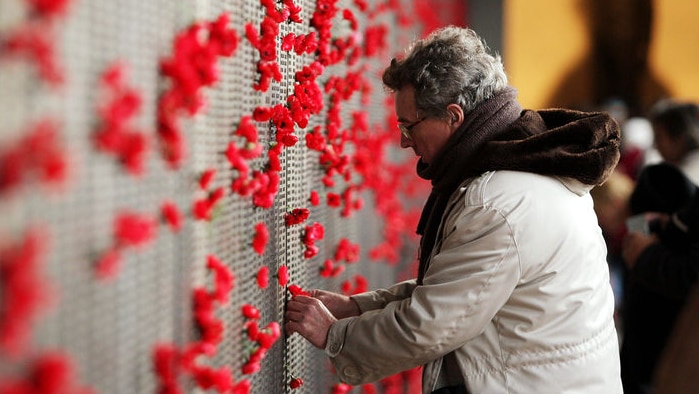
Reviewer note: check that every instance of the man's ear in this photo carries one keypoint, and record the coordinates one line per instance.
(456, 115)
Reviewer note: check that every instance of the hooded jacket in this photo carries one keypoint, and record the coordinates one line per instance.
(513, 295)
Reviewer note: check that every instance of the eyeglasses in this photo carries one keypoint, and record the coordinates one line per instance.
(405, 129)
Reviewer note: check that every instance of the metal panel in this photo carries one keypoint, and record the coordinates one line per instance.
(109, 328)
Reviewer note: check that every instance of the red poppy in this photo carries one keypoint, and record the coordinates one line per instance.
(246, 129)
(133, 229)
(202, 209)
(25, 293)
(311, 251)
(315, 198)
(108, 264)
(252, 330)
(166, 363)
(242, 387)
(49, 8)
(347, 251)
(250, 312)
(250, 368)
(334, 200)
(341, 388)
(314, 232)
(296, 216)
(209, 378)
(53, 372)
(223, 278)
(269, 335)
(295, 383)
(297, 290)
(206, 178)
(34, 42)
(327, 268)
(38, 153)
(171, 215)
(283, 275)
(259, 242)
(262, 277)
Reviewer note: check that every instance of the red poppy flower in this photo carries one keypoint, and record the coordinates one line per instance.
(34, 42)
(315, 140)
(49, 8)
(25, 293)
(363, 5)
(347, 251)
(166, 364)
(192, 66)
(263, 197)
(327, 269)
(311, 251)
(314, 232)
(223, 278)
(242, 387)
(211, 378)
(258, 354)
(375, 39)
(262, 277)
(250, 368)
(108, 264)
(133, 229)
(296, 216)
(297, 290)
(283, 275)
(334, 200)
(223, 40)
(37, 153)
(246, 129)
(171, 215)
(348, 15)
(288, 42)
(259, 242)
(269, 335)
(206, 178)
(294, 11)
(53, 372)
(252, 330)
(315, 198)
(202, 209)
(295, 383)
(341, 388)
(250, 312)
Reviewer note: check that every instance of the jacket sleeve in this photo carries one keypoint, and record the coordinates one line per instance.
(378, 299)
(468, 280)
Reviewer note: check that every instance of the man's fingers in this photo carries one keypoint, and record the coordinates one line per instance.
(294, 316)
(302, 299)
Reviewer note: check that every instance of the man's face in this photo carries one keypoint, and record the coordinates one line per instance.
(428, 135)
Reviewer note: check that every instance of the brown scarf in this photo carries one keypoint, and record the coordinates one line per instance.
(498, 135)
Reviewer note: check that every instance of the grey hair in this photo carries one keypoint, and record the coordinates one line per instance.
(451, 65)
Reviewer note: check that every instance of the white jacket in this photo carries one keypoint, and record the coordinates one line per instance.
(516, 298)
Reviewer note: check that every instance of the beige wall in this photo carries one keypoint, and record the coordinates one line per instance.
(544, 38)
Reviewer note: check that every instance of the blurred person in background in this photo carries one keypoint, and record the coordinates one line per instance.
(512, 292)
(662, 258)
(611, 204)
(676, 135)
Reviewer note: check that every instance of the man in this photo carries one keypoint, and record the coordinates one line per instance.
(663, 265)
(512, 293)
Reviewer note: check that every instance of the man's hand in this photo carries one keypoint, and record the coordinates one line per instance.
(310, 318)
(340, 305)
